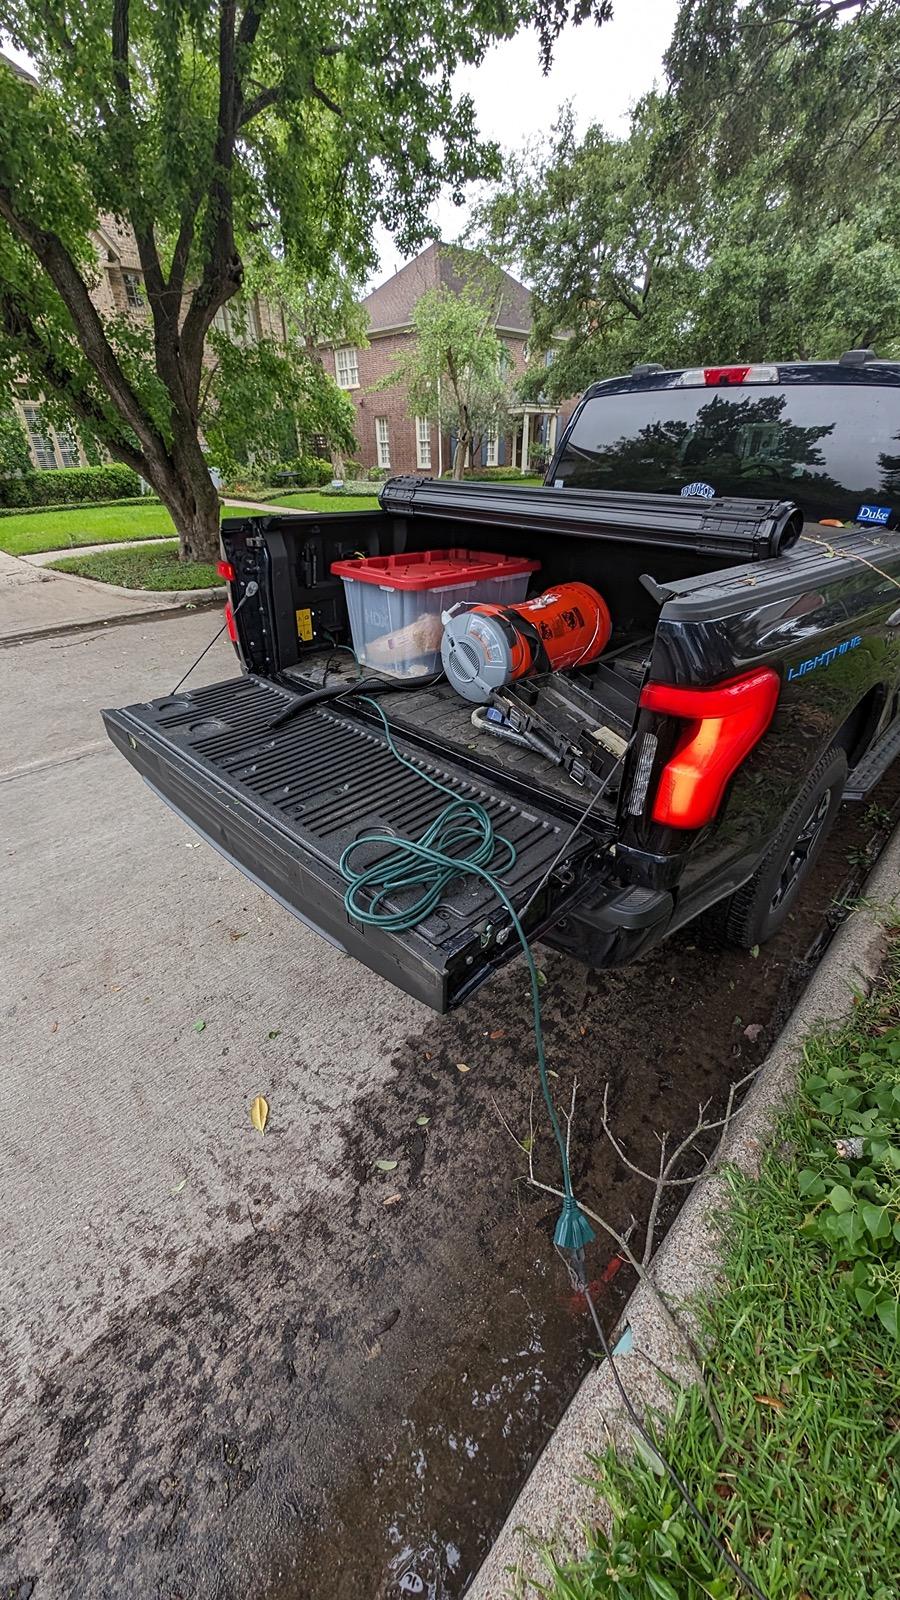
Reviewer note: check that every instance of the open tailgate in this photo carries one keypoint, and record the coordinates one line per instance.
(283, 804)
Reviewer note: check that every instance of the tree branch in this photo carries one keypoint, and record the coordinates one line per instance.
(19, 326)
(89, 329)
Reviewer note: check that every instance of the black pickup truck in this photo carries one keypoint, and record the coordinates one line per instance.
(751, 681)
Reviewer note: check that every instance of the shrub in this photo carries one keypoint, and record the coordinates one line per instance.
(378, 474)
(314, 471)
(70, 486)
(83, 505)
(494, 474)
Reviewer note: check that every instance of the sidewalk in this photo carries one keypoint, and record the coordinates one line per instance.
(34, 601)
(558, 1499)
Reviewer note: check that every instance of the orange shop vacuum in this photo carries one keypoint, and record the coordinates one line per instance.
(487, 646)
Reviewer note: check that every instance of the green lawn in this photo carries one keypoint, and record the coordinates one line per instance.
(311, 500)
(156, 567)
(64, 530)
(803, 1358)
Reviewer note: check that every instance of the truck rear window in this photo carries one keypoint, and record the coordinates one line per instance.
(830, 447)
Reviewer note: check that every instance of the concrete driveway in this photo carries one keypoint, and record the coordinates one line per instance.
(236, 1366)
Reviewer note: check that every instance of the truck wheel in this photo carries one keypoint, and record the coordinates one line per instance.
(756, 911)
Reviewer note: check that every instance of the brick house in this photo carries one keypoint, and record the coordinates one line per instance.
(387, 436)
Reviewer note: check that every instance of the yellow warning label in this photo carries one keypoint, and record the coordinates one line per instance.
(304, 625)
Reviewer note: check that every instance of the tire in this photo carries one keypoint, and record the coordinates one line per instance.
(756, 911)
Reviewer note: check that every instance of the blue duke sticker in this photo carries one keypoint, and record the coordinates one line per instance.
(704, 491)
(877, 514)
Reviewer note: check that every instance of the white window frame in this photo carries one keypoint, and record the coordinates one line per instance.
(423, 442)
(491, 446)
(383, 441)
(134, 297)
(346, 366)
(67, 449)
(40, 437)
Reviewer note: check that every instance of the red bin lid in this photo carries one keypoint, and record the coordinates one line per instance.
(432, 569)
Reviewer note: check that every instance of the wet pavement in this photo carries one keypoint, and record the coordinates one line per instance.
(244, 1368)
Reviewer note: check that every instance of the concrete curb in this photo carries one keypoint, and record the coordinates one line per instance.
(163, 599)
(554, 1504)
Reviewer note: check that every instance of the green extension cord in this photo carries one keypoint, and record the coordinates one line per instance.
(460, 840)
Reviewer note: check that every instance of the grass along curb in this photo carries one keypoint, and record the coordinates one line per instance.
(801, 1474)
(31, 533)
(549, 1544)
(155, 568)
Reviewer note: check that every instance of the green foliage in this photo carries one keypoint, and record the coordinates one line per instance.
(14, 457)
(856, 1201)
(512, 475)
(262, 398)
(751, 213)
(70, 486)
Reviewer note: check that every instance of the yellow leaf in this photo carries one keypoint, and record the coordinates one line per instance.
(462, 1067)
(259, 1113)
(769, 1400)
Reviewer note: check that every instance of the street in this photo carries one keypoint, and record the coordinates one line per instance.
(260, 1366)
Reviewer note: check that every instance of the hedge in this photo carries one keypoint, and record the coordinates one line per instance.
(81, 505)
(70, 486)
(496, 474)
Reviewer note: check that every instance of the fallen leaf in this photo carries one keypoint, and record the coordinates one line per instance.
(55, 1028)
(541, 976)
(755, 951)
(461, 1067)
(528, 1144)
(259, 1113)
(551, 1073)
(582, 1031)
(499, 1033)
(274, 1032)
(386, 1166)
(753, 1031)
(177, 1188)
(233, 934)
(391, 1199)
(422, 1122)
(769, 1400)
(199, 1025)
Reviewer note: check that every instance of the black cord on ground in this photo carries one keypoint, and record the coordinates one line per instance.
(248, 594)
(580, 1277)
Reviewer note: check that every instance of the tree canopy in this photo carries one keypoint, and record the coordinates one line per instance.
(750, 213)
(218, 131)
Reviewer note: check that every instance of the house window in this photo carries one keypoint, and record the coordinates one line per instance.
(67, 446)
(346, 365)
(423, 442)
(491, 444)
(134, 293)
(222, 320)
(41, 441)
(382, 441)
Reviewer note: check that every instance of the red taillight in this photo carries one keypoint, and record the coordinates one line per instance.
(226, 571)
(724, 723)
(229, 623)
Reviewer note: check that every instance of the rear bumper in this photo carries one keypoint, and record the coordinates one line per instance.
(613, 930)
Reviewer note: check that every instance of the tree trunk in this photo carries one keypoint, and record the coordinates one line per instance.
(186, 489)
(463, 445)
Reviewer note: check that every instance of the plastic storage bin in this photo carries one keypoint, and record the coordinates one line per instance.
(395, 602)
